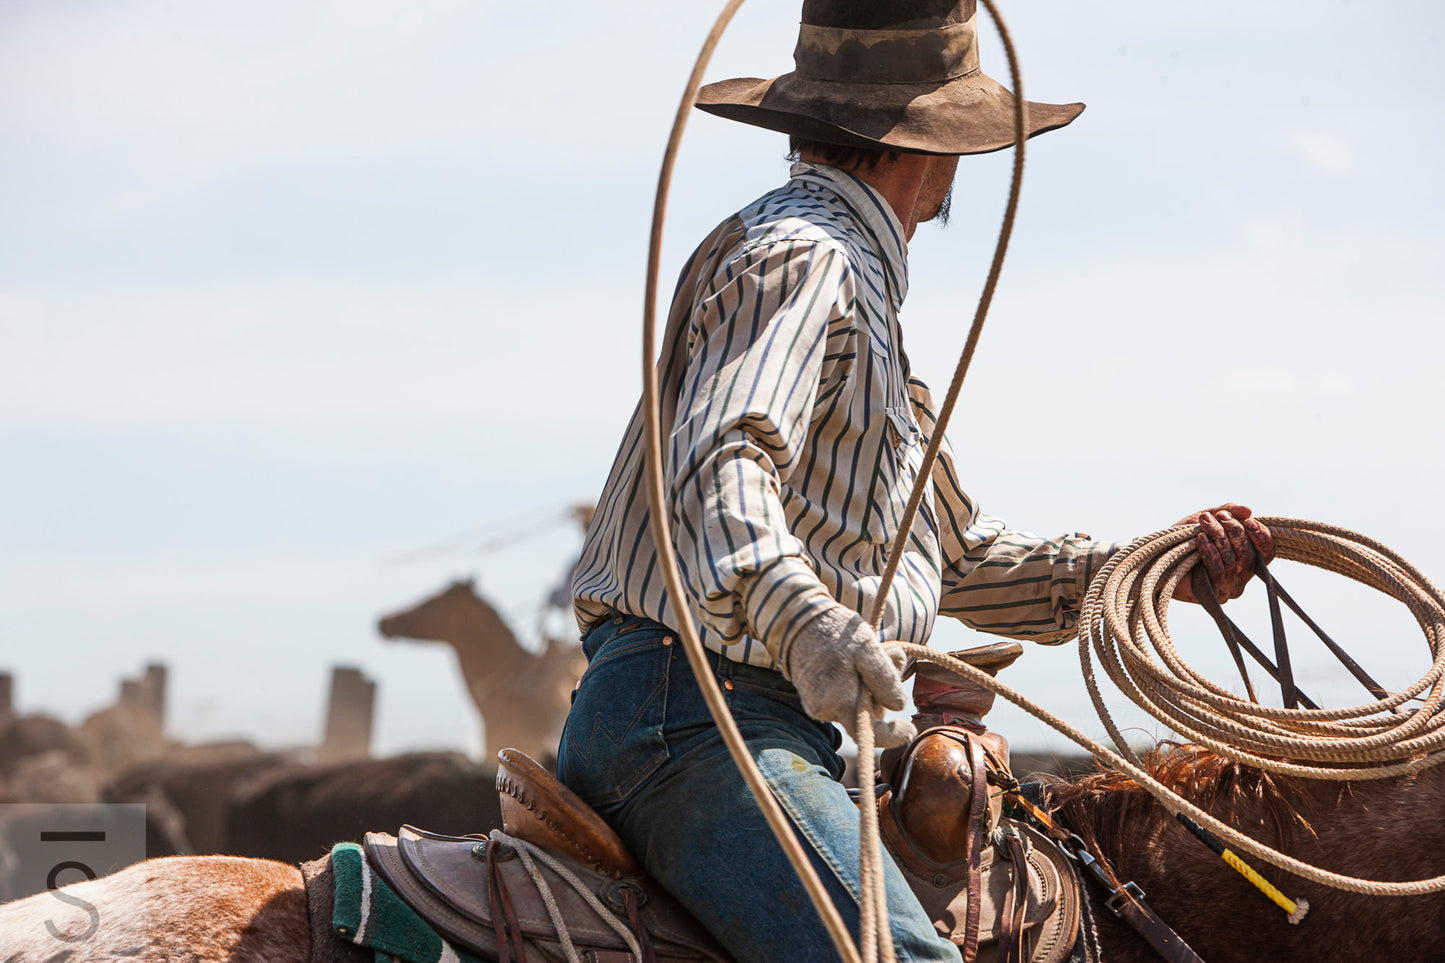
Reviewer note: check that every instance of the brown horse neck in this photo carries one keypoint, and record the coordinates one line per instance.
(1390, 829)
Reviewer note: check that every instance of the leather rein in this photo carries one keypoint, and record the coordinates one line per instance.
(1125, 900)
(1279, 670)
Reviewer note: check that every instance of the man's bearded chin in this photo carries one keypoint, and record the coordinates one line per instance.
(940, 214)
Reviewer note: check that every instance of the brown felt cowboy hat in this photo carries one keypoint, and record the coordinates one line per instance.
(893, 74)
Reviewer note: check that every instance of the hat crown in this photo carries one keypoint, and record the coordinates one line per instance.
(898, 75)
(906, 49)
(887, 14)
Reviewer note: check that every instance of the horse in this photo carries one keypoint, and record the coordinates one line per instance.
(522, 696)
(208, 909)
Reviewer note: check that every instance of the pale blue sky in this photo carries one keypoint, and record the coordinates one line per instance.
(288, 287)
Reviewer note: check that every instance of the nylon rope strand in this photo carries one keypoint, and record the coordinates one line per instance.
(874, 898)
(662, 534)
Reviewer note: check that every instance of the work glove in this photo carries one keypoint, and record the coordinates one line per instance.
(837, 657)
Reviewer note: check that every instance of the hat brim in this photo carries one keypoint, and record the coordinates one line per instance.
(972, 114)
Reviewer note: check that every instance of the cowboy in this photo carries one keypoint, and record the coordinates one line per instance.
(794, 431)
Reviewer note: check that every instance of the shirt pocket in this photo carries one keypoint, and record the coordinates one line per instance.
(908, 450)
(905, 438)
(898, 465)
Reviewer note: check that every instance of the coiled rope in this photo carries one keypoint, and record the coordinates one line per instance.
(1125, 613)
(1124, 624)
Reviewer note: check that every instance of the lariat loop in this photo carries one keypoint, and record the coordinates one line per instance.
(1124, 625)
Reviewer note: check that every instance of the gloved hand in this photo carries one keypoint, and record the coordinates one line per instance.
(834, 659)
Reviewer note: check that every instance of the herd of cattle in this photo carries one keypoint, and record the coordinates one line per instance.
(234, 798)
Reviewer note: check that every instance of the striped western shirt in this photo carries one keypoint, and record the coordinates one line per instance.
(793, 434)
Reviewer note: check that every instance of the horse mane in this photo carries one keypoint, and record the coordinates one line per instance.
(1113, 814)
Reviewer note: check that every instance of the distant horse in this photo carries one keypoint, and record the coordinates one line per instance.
(523, 697)
(212, 909)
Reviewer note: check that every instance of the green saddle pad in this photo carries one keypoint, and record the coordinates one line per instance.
(368, 912)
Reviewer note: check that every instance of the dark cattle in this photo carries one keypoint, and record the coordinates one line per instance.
(188, 794)
(1069, 766)
(297, 813)
(27, 737)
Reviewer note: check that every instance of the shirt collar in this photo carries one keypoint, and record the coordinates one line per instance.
(874, 214)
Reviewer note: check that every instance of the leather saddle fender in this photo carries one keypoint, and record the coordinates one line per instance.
(997, 888)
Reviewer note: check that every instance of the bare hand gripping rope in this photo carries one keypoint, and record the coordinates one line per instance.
(1371, 741)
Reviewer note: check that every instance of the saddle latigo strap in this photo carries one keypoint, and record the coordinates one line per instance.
(977, 813)
(1011, 947)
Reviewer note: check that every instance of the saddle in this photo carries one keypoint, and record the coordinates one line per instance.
(484, 896)
(1000, 890)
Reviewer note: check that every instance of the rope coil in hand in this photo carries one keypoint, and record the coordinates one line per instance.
(1126, 612)
(1124, 624)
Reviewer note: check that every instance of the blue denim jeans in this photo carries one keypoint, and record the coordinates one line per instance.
(641, 749)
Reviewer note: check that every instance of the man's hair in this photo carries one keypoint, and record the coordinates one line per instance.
(836, 155)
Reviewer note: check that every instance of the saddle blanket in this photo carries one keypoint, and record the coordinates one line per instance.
(368, 912)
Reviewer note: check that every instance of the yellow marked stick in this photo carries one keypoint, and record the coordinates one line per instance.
(1295, 908)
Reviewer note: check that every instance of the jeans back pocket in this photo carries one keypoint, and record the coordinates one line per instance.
(614, 738)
